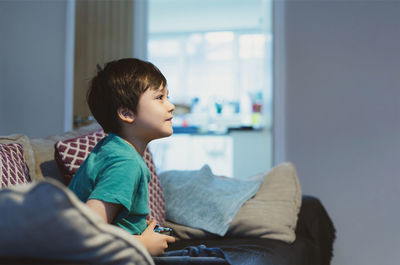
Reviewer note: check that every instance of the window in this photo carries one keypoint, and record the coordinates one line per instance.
(217, 58)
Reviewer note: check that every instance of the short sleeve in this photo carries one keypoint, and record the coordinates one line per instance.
(117, 183)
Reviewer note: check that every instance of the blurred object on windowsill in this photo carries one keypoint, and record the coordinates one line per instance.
(181, 109)
(82, 121)
(197, 131)
(257, 106)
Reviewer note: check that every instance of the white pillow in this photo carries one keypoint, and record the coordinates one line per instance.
(46, 221)
(271, 213)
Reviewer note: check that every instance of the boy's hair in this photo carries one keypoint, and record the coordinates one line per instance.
(120, 84)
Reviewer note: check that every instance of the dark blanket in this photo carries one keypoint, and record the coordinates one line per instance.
(200, 255)
(253, 251)
(315, 235)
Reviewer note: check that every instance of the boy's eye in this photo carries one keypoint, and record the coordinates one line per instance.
(160, 97)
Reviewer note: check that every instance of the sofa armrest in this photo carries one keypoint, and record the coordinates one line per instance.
(315, 224)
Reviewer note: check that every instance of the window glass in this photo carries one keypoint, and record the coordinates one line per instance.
(216, 56)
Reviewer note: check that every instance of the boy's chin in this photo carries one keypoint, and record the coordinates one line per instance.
(166, 134)
(169, 133)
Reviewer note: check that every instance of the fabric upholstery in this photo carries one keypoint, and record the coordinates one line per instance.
(156, 197)
(13, 167)
(271, 213)
(315, 236)
(45, 164)
(43, 149)
(71, 153)
(261, 251)
(28, 152)
(200, 199)
(45, 220)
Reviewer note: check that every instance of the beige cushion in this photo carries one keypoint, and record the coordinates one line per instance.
(271, 213)
(28, 152)
(45, 220)
(45, 165)
(44, 157)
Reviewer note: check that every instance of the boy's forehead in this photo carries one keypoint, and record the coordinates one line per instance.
(162, 88)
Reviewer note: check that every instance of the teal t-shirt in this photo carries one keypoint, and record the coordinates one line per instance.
(114, 172)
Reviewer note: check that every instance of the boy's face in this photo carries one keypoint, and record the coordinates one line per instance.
(154, 114)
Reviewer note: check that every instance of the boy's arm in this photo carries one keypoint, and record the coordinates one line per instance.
(106, 210)
(155, 243)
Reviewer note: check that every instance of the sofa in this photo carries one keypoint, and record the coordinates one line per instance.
(46, 224)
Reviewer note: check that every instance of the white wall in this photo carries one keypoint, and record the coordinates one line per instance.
(342, 119)
(33, 61)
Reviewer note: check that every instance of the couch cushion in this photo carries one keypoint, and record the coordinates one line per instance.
(28, 151)
(71, 153)
(156, 197)
(13, 167)
(45, 220)
(43, 149)
(271, 213)
(200, 199)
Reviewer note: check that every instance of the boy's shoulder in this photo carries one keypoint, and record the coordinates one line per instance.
(114, 147)
(113, 141)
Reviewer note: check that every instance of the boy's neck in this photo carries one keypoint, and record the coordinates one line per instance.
(133, 137)
(139, 146)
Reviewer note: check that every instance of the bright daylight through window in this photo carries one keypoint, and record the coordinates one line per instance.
(217, 58)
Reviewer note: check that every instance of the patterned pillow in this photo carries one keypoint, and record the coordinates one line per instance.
(13, 167)
(71, 153)
(156, 197)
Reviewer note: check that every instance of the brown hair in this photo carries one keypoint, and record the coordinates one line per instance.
(120, 84)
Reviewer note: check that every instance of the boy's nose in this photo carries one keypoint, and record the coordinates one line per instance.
(172, 107)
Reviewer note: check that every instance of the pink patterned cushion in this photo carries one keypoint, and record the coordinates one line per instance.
(71, 153)
(14, 169)
(156, 197)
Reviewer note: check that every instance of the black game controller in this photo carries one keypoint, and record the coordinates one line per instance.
(163, 230)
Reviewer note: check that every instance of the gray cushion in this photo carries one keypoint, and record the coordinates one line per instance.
(45, 220)
(200, 199)
(271, 213)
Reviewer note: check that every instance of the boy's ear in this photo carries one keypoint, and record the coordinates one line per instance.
(126, 115)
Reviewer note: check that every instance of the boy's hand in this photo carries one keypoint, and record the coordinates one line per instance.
(154, 242)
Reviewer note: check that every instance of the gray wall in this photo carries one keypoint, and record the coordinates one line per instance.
(343, 119)
(33, 46)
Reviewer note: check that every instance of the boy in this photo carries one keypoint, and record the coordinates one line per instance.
(129, 99)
